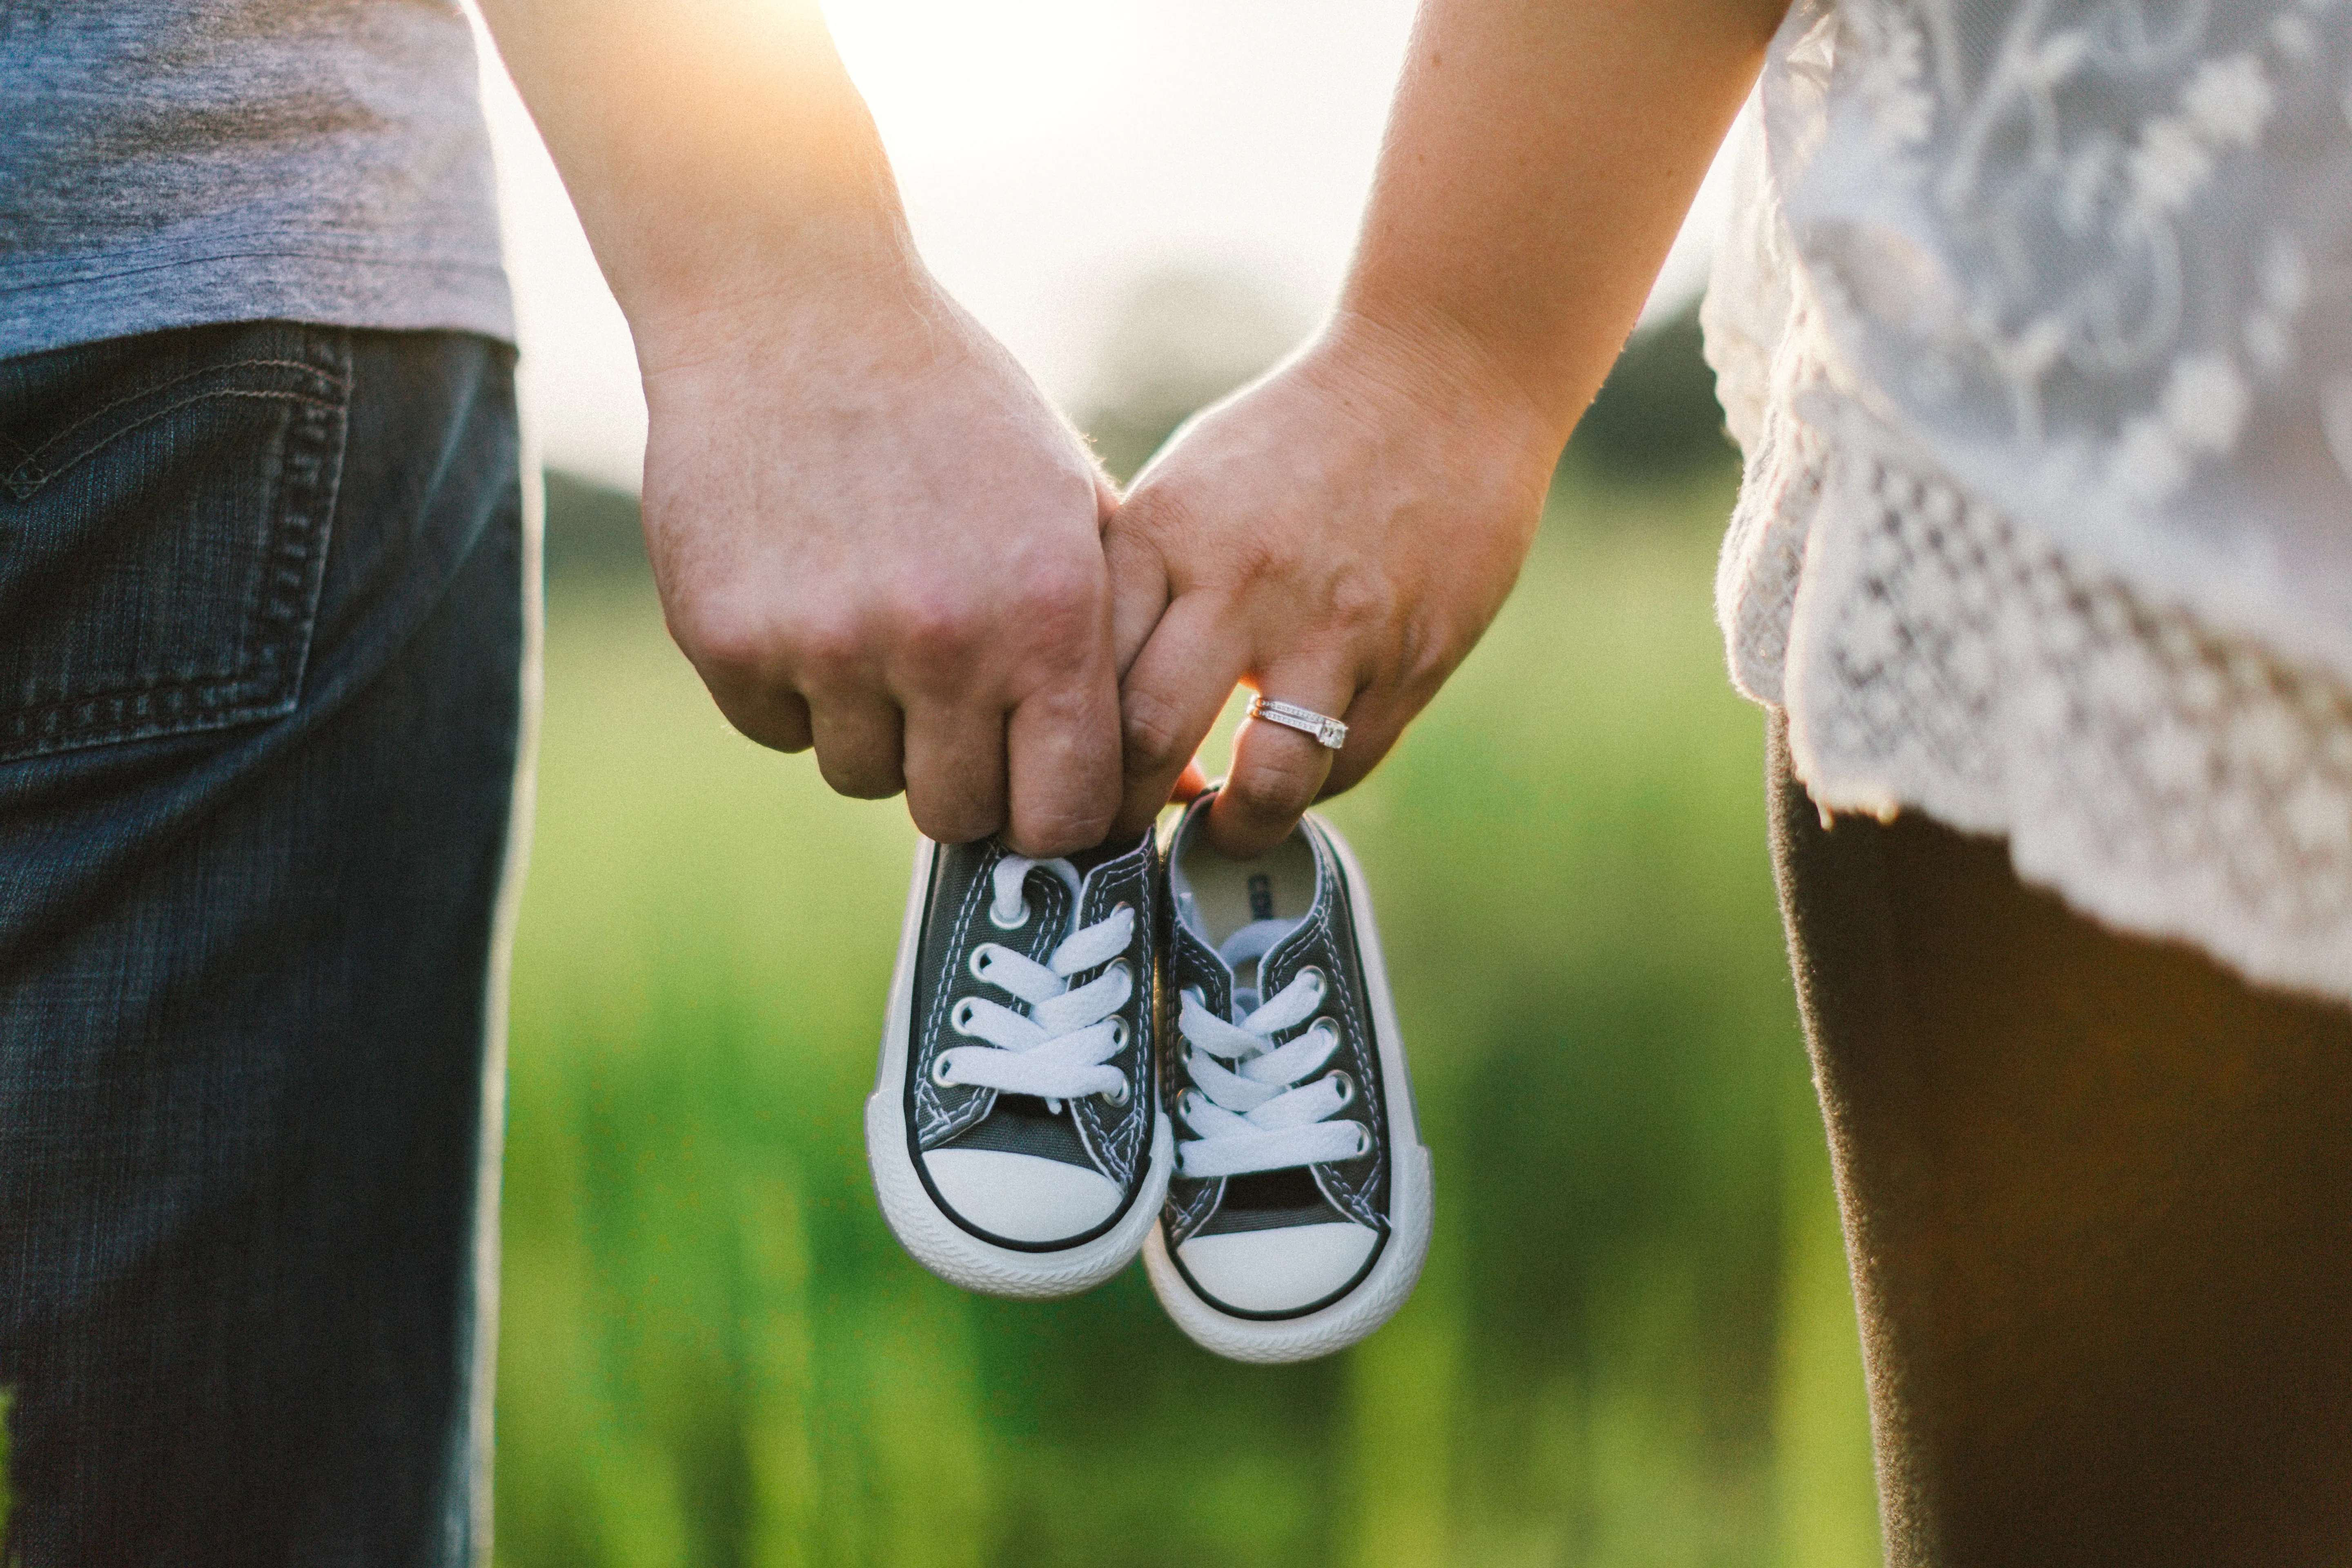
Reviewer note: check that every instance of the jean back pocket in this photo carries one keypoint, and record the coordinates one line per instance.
(164, 507)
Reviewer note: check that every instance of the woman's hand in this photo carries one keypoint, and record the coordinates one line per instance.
(1340, 534)
(1337, 537)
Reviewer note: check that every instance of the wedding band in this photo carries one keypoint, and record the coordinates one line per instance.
(1326, 730)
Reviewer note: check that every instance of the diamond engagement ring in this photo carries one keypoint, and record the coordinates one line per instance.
(1326, 730)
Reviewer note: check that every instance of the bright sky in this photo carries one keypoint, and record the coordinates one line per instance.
(1050, 153)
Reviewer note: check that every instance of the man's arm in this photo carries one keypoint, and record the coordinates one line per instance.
(870, 532)
(1340, 535)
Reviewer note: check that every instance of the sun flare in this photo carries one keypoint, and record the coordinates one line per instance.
(948, 80)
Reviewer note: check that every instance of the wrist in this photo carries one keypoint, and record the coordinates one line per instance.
(1445, 377)
(842, 276)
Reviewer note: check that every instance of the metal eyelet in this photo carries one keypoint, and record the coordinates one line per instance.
(982, 957)
(1347, 1089)
(1120, 1096)
(962, 1016)
(1322, 981)
(1119, 1034)
(1363, 1140)
(940, 1072)
(1000, 923)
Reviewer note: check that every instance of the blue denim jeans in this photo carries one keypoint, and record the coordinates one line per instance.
(261, 625)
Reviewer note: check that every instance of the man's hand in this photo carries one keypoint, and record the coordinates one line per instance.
(872, 535)
(1337, 537)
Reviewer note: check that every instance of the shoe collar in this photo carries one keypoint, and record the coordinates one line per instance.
(1269, 942)
(1100, 864)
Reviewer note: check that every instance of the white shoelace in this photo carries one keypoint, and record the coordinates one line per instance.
(1255, 1115)
(1057, 1049)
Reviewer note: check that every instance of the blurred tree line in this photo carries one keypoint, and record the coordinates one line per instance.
(1182, 340)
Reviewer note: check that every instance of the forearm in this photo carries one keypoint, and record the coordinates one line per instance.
(716, 149)
(1539, 160)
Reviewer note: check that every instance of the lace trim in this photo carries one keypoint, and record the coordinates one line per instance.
(1934, 654)
(2040, 679)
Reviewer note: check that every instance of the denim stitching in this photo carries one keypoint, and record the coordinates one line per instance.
(281, 591)
(24, 487)
(105, 409)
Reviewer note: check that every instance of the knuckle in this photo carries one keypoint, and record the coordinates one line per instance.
(857, 778)
(954, 822)
(1152, 733)
(780, 726)
(1415, 652)
(1359, 599)
(724, 635)
(1062, 604)
(937, 627)
(1428, 651)
(1281, 786)
(1061, 830)
(825, 645)
(1061, 580)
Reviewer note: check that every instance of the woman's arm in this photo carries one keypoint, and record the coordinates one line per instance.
(1339, 535)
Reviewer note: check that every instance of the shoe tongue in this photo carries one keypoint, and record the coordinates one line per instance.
(1243, 947)
(1242, 953)
(1254, 941)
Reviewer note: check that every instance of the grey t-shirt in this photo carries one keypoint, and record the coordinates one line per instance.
(173, 162)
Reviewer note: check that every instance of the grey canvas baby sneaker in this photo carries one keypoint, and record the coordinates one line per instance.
(1014, 1130)
(1298, 1212)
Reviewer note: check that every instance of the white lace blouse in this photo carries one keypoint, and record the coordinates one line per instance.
(2036, 327)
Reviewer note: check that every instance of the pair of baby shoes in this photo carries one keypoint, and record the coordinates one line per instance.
(1183, 1055)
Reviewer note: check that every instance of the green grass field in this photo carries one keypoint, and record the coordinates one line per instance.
(1632, 1345)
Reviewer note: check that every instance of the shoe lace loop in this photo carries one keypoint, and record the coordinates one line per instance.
(1257, 1114)
(1057, 1049)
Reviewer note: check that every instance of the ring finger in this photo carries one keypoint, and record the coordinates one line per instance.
(1278, 770)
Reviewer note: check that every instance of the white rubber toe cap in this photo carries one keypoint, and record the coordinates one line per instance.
(1021, 1197)
(1276, 1270)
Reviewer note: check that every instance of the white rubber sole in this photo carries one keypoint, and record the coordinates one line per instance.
(929, 1236)
(1411, 1200)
